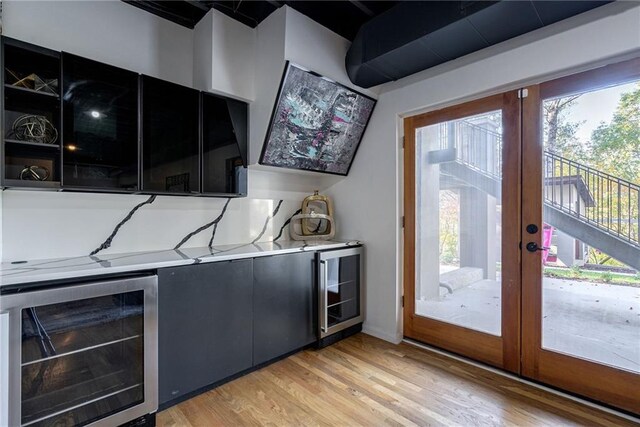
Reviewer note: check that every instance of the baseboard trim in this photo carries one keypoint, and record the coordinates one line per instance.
(539, 386)
(383, 335)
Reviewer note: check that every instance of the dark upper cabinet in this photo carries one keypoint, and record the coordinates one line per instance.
(31, 116)
(99, 127)
(100, 116)
(224, 145)
(204, 325)
(284, 305)
(170, 137)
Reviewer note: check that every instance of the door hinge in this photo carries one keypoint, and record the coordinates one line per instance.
(403, 221)
(402, 142)
(403, 301)
(523, 93)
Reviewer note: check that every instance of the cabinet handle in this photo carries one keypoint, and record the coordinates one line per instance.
(323, 296)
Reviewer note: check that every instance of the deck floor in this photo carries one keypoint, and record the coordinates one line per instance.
(364, 381)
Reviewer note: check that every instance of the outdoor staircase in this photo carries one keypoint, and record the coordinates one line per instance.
(592, 206)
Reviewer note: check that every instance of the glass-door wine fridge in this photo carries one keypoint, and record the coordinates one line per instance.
(79, 354)
(341, 290)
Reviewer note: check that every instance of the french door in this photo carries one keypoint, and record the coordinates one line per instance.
(581, 296)
(462, 229)
(521, 239)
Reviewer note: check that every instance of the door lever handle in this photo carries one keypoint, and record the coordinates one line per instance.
(533, 246)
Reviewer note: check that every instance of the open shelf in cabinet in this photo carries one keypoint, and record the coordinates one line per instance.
(31, 114)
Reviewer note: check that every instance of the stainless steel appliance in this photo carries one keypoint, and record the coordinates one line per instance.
(79, 354)
(341, 288)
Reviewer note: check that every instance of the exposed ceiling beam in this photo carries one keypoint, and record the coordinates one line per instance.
(164, 10)
(197, 3)
(232, 11)
(274, 3)
(362, 7)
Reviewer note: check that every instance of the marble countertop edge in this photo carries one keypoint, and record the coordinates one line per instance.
(46, 270)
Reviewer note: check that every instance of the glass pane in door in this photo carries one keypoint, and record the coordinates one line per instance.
(591, 285)
(82, 360)
(458, 222)
(343, 289)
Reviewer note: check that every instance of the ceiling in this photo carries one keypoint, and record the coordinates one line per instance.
(344, 17)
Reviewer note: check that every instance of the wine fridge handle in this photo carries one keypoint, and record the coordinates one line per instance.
(323, 296)
(4, 369)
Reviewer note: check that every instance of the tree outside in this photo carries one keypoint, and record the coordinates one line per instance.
(612, 147)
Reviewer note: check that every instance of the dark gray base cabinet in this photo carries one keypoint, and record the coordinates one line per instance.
(284, 305)
(216, 320)
(205, 325)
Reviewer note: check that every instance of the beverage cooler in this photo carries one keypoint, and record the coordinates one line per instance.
(341, 293)
(79, 354)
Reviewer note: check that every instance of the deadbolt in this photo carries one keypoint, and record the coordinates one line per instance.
(532, 229)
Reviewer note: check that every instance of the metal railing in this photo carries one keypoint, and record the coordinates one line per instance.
(600, 199)
(476, 147)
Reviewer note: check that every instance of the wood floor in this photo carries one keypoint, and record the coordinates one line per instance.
(369, 382)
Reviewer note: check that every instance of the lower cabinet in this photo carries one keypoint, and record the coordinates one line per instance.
(284, 308)
(205, 325)
(221, 318)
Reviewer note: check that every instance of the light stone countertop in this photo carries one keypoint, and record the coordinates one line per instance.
(47, 270)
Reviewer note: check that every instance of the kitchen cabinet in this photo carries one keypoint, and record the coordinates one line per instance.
(75, 124)
(170, 137)
(30, 151)
(224, 145)
(100, 115)
(284, 313)
(204, 325)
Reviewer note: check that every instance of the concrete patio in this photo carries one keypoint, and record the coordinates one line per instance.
(593, 321)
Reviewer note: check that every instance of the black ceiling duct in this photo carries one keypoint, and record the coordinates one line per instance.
(416, 35)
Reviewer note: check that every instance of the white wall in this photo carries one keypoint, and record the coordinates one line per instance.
(219, 55)
(234, 55)
(203, 53)
(268, 72)
(108, 31)
(368, 203)
(224, 56)
(313, 46)
(288, 35)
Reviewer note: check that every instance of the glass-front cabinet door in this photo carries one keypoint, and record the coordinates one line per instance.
(224, 145)
(79, 354)
(170, 137)
(100, 125)
(340, 289)
(30, 115)
(82, 360)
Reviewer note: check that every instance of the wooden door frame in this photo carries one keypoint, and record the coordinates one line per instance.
(596, 381)
(503, 351)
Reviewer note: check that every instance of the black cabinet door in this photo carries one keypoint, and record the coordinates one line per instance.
(100, 116)
(283, 306)
(170, 137)
(224, 145)
(204, 325)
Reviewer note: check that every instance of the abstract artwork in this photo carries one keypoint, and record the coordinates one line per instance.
(316, 125)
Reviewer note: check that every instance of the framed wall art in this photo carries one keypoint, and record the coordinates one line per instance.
(316, 124)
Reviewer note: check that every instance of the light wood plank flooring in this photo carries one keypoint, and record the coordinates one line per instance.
(369, 382)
